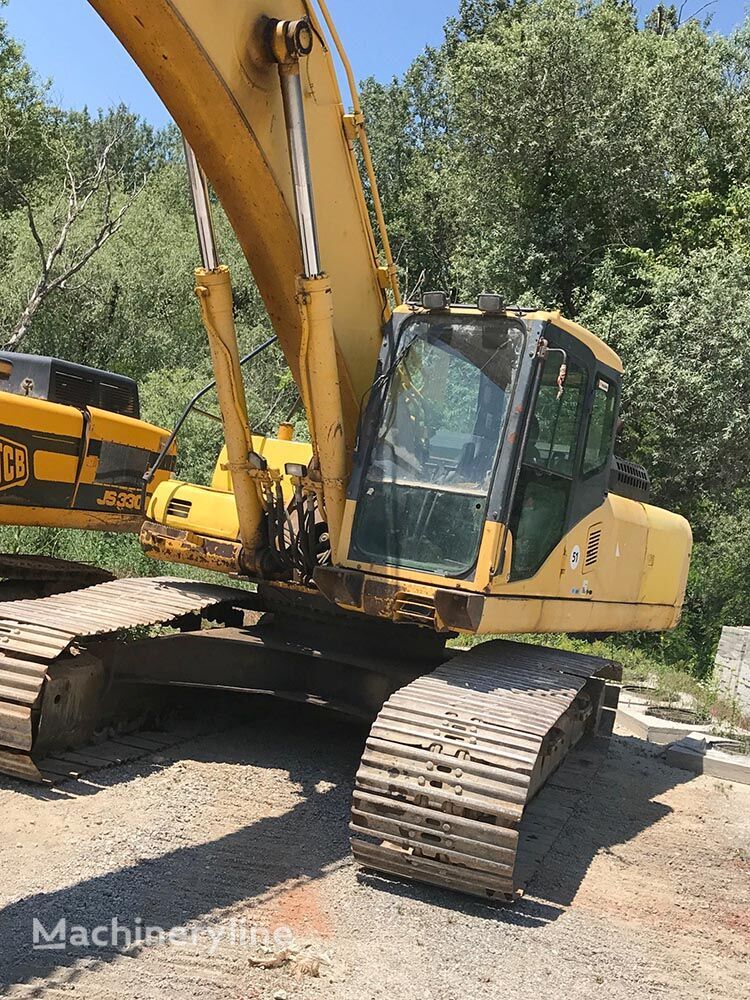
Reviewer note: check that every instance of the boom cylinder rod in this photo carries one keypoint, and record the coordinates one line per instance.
(213, 286)
(321, 385)
(204, 222)
(294, 113)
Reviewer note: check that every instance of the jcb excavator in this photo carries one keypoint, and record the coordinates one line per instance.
(460, 480)
(73, 451)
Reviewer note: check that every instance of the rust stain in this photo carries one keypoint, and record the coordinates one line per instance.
(300, 908)
(737, 921)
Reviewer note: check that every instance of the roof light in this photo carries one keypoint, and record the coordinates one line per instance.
(435, 300)
(490, 303)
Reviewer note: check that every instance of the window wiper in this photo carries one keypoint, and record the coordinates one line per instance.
(385, 377)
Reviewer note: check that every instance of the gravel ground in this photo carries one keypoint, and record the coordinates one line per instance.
(242, 831)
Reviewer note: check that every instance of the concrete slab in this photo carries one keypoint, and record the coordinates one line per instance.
(708, 755)
(633, 720)
(733, 666)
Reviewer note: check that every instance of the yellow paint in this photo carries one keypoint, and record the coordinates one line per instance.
(643, 557)
(277, 453)
(354, 126)
(212, 513)
(214, 292)
(106, 426)
(637, 581)
(38, 415)
(212, 509)
(82, 520)
(506, 616)
(49, 422)
(209, 64)
(55, 468)
(322, 397)
(601, 351)
(190, 549)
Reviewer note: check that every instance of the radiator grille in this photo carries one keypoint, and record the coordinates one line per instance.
(77, 390)
(118, 399)
(72, 390)
(629, 480)
(179, 508)
(415, 609)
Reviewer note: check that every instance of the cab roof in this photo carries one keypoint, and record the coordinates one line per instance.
(601, 351)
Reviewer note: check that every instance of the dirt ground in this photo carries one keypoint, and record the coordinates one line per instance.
(240, 831)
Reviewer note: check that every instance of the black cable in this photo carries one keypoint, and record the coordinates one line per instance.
(149, 474)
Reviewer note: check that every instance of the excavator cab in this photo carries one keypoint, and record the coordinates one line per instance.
(565, 466)
(486, 496)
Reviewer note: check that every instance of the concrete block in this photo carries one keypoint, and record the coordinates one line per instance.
(633, 719)
(705, 754)
(733, 666)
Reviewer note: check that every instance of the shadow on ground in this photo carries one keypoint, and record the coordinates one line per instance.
(309, 839)
(187, 883)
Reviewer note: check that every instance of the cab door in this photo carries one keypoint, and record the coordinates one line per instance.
(565, 466)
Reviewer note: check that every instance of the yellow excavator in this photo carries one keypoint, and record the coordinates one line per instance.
(73, 453)
(460, 480)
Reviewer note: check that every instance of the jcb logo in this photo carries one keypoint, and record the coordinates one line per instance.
(14, 464)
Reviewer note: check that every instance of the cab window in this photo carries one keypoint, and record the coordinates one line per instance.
(423, 502)
(549, 467)
(601, 427)
(553, 437)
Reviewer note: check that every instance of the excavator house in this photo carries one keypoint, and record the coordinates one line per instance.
(460, 480)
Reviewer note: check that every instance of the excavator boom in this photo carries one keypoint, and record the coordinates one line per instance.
(210, 65)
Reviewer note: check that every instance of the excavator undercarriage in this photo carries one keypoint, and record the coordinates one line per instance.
(28, 576)
(461, 740)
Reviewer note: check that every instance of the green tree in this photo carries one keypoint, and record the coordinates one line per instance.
(682, 333)
(25, 116)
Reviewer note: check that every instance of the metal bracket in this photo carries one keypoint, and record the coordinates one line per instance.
(353, 125)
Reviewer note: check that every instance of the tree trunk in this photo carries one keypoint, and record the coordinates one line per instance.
(26, 318)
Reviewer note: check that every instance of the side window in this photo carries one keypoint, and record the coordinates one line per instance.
(553, 436)
(545, 485)
(601, 428)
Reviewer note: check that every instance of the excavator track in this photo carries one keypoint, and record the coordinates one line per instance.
(30, 576)
(36, 635)
(454, 758)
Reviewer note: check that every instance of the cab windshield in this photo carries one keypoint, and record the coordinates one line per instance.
(445, 403)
